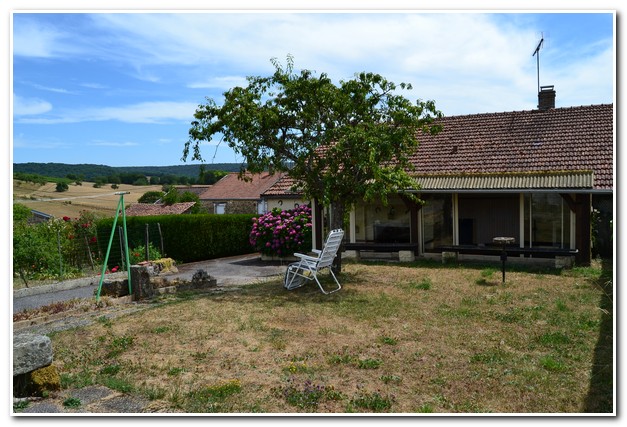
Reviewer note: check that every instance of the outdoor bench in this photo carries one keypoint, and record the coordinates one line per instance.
(563, 257)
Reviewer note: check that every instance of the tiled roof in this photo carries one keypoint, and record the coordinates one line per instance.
(283, 188)
(146, 209)
(230, 187)
(195, 189)
(555, 140)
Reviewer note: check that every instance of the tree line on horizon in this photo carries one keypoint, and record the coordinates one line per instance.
(132, 175)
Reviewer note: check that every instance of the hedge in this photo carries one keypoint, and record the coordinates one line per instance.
(187, 238)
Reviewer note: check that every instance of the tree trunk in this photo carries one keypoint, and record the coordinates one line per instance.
(337, 221)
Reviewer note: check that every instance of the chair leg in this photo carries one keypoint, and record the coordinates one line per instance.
(336, 282)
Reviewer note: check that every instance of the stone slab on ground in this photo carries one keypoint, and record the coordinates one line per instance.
(30, 352)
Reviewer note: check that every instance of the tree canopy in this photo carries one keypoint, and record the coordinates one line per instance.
(341, 143)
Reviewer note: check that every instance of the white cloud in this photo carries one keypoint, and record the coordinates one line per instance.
(50, 89)
(145, 112)
(224, 83)
(34, 40)
(29, 106)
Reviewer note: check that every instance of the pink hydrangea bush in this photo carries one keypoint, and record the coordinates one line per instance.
(281, 233)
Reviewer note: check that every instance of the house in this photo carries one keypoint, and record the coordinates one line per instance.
(147, 209)
(281, 195)
(534, 176)
(233, 195)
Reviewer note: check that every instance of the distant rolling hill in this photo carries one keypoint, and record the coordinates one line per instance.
(92, 171)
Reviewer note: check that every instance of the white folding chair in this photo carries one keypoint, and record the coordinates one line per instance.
(298, 273)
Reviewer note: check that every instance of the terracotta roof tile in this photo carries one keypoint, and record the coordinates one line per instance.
(283, 187)
(560, 139)
(146, 209)
(230, 187)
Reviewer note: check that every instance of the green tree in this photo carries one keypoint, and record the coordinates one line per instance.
(21, 213)
(150, 196)
(342, 143)
(62, 186)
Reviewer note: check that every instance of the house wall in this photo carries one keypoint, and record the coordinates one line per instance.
(283, 203)
(231, 206)
(483, 217)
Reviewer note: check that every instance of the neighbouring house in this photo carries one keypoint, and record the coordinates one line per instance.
(233, 195)
(282, 196)
(148, 209)
(542, 177)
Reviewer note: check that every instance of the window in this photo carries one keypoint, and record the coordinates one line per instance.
(383, 224)
(437, 221)
(220, 208)
(547, 221)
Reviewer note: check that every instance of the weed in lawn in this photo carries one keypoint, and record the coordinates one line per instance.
(78, 380)
(308, 396)
(425, 409)
(552, 364)
(374, 402)
(488, 272)
(424, 285)
(553, 339)
(162, 329)
(119, 345)
(175, 371)
(299, 367)
(561, 306)
(72, 402)
(110, 369)
(369, 363)
(20, 405)
(153, 393)
(277, 339)
(104, 321)
(389, 340)
(511, 315)
(387, 379)
(341, 359)
(211, 399)
(200, 356)
(118, 384)
(490, 357)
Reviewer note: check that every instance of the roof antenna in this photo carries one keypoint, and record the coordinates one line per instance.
(536, 53)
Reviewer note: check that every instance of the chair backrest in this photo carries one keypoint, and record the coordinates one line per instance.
(331, 246)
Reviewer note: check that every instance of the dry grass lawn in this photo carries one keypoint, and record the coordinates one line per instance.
(396, 339)
(101, 201)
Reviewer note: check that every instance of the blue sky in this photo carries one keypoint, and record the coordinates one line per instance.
(120, 88)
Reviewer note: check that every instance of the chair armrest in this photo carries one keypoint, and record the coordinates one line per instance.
(306, 257)
(317, 251)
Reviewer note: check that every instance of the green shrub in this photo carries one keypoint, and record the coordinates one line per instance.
(188, 238)
(138, 254)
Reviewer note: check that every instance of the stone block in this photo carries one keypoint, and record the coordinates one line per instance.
(30, 352)
(351, 254)
(406, 256)
(449, 257)
(140, 281)
(564, 261)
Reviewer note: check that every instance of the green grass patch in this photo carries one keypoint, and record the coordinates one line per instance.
(374, 402)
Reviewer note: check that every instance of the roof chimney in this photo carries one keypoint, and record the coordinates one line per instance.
(546, 98)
